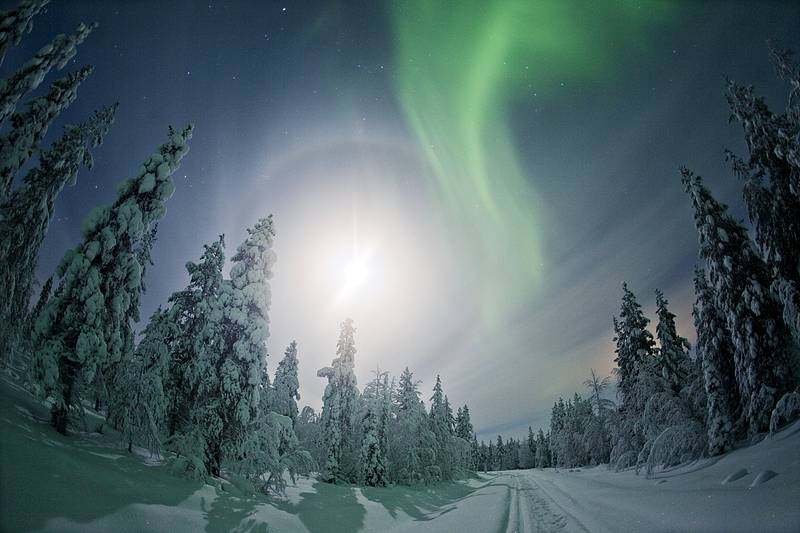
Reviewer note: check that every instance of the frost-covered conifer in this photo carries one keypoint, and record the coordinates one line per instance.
(715, 351)
(191, 313)
(740, 280)
(464, 427)
(440, 426)
(16, 22)
(438, 412)
(28, 128)
(85, 326)
(530, 450)
(407, 393)
(339, 406)
(307, 428)
(231, 388)
(673, 350)
(411, 449)
(634, 347)
(771, 175)
(25, 215)
(53, 55)
(597, 435)
(373, 451)
(286, 388)
(449, 418)
(140, 400)
(451, 454)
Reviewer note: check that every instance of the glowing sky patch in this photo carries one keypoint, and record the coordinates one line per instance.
(461, 66)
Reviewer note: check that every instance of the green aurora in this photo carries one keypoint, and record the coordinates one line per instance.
(461, 66)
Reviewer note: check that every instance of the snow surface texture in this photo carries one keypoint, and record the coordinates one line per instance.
(88, 483)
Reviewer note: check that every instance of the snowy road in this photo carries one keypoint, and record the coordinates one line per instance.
(752, 489)
(529, 509)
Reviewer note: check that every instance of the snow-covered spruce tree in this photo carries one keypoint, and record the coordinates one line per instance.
(230, 391)
(499, 453)
(308, 431)
(373, 451)
(451, 453)
(597, 438)
(490, 453)
(474, 450)
(715, 352)
(673, 420)
(85, 325)
(28, 128)
(286, 388)
(464, 427)
(387, 394)
(411, 454)
(139, 403)
(190, 311)
(771, 175)
(440, 425)
(673, 350)
(634, 346)
(31, 74)
(634, 371)
(542, 450)
(25, 216)
(14, 23)
(740, 282)
(339, 408)
(271, 449)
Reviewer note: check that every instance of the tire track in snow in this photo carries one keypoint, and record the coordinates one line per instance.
(528, 511)
(570, 521)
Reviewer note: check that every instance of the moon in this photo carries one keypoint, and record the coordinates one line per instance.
(356, 272)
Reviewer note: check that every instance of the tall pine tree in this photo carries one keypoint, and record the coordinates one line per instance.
(715, 351)
(373, 446)
(85, 326)
(339, 406)
(190, 312)
(771, 175)
(286, 386)
(740, 282)
(634, 349)
(673, 350)
(25, 216)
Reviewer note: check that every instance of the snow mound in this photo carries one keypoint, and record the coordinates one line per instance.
(739, 474)
(763, 477)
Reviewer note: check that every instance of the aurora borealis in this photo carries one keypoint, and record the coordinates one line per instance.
(461, 67)
(506, 164)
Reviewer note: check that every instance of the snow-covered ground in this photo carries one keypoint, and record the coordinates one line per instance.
(88, 482)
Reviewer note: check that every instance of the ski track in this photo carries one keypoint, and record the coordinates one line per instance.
(530, 509)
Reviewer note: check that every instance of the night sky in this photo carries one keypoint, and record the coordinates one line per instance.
(499, 167)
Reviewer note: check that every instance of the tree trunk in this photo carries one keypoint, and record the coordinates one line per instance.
(59, 414)
(216, 459)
